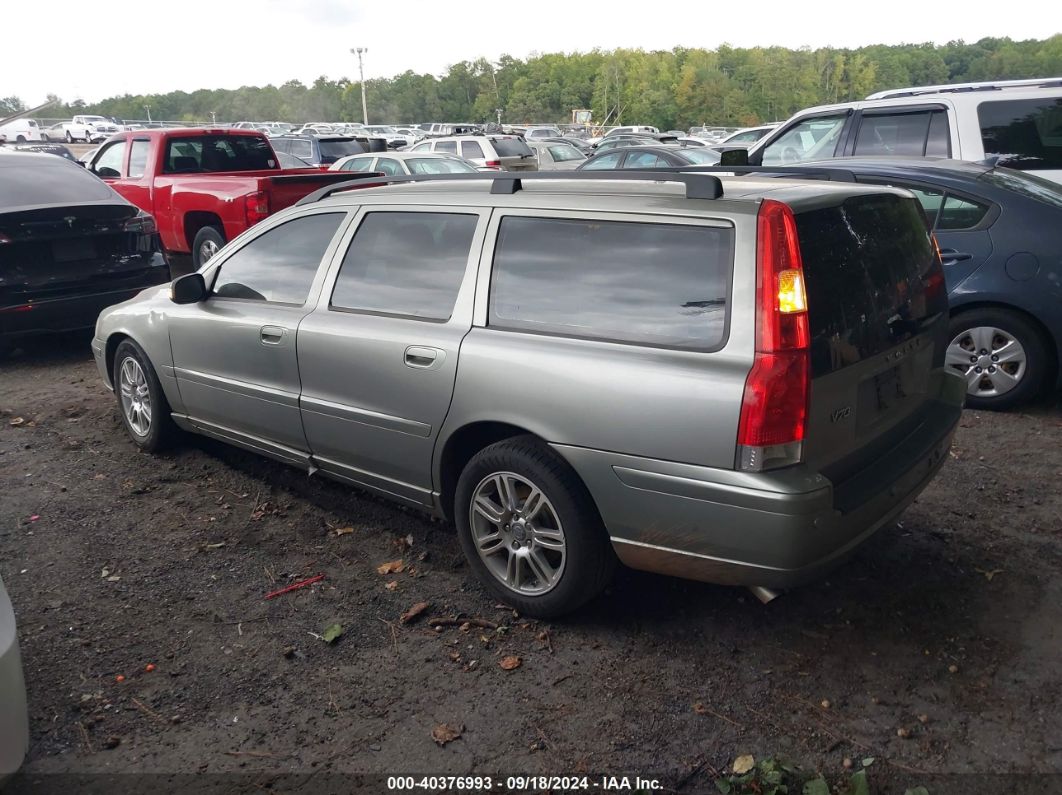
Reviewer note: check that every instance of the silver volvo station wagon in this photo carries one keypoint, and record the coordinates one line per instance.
(735, 379)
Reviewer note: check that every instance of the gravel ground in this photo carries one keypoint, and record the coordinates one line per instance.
(936, 651)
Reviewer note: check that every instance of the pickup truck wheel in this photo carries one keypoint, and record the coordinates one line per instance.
(21, 139)
(530, 530)
(69, 137)
(206, 244)
(1002, 356)
(141, 401)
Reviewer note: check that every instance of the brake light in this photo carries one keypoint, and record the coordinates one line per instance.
(256, 207)
(774, 407)
(142, 224)
(493, 164)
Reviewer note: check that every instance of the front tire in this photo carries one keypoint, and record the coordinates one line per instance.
(1002, 356)
(69, 137)
(529, 529)
(142, 404)
(206, 244)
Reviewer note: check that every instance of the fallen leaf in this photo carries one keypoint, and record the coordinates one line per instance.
(113, 578)
(700, 709)
(16, 421)
(342, 531)
(858, 784)
(868, 761)
(35, 517)
(218, 545)
(446, 733)
(743, 764)
(332, 633)
(817, 786)
(916, 791)
(391, 567)
(391, 586)
(989, 573)
(825, 703)
(510, 662)
(413, 612)
(903, 732)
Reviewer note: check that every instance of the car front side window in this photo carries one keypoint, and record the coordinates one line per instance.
(279, 265)
(809, 139)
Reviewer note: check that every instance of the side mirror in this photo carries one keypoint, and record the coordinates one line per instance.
(734, 157)
(188, 289)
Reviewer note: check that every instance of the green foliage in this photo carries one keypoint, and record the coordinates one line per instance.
(667, 88)
(775, 777)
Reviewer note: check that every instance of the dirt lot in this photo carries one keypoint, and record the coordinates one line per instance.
(936, 652)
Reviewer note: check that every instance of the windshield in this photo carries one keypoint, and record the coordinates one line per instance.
(439, 165)
(701, 156)
(1034, 187)
(565, 152)
(44, 181)
(511, 147)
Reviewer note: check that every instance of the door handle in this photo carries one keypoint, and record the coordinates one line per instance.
(424, 358)
(272, 335)
(951, 255)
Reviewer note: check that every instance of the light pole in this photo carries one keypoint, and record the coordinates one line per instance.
(499, 112)
(213, 117)
(148, 109)
(361, 72)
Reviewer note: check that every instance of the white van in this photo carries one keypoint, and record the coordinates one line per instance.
(20, 131)
(1017, 122)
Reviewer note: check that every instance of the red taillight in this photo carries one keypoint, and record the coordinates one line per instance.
(142, 224)
(774, 408)
(493, 164)
(256, 207)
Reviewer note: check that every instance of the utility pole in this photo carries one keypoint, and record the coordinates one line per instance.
(213, 118)
(499, 112)
(361, 72)
(148, 109)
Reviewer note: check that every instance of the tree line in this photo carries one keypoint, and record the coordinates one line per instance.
(669, 89)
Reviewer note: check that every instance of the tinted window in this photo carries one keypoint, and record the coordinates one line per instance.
(331, 151)
(446, 146)
(893, 134)
(406, 264)
(218, 153)
(1023, 133)
(867, 263)
(471, 149)
(938, 144)
(111, 160)
(511, 147)
(809, 139)
(961, 213)
(41, 179)
(138, 153)
(644, 160)
(702, 157)
(1030, 185)
(658, 284)
(604, 162)
(279, 266)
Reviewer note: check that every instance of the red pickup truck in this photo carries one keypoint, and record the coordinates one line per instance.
(203, 186)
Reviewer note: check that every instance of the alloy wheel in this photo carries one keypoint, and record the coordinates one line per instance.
(136, 398)
(517, 533)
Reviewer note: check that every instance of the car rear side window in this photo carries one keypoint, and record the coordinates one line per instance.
(218, 153)
(446, 146)
(409, 264)
(279, 266)
(645, 283)
(511, 147)
(471, 150)
(897, 134)
(960, 213)
(1024, 134)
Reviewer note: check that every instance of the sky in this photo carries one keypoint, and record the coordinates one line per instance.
(80, 51)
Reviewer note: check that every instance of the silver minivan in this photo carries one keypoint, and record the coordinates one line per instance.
(734, 380)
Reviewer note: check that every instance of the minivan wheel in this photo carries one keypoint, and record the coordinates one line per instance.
(530, 530)
(1000, 354)
(206, 244)
(141, 401)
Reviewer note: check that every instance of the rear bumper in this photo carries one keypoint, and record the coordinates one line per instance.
(72, 312)
(774, 529)
(14, 718)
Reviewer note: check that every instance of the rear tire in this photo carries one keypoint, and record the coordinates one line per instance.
(69, 137)
(142, 404)
(550, 528)
(1009, 350)
(206, 244)
(20, 139)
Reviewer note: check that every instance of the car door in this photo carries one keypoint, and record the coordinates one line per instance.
(234, 354)
(378, 356)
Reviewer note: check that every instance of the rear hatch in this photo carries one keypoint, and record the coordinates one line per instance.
(63, 251)
(877, 311)
(514, 153)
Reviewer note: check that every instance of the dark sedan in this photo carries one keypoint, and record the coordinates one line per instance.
(581, 144)
(69, 246)
(640, 157)
(1000, 237)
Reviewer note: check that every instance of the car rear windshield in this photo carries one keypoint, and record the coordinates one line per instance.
(511, 147)
(1043, 190)
(208, 153)
(1023, 133)
(873, 278)
(332, 150)
(52, 181)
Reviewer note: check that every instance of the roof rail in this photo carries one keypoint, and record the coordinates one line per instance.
(839, 174)
(955, 88)
(698, 186)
